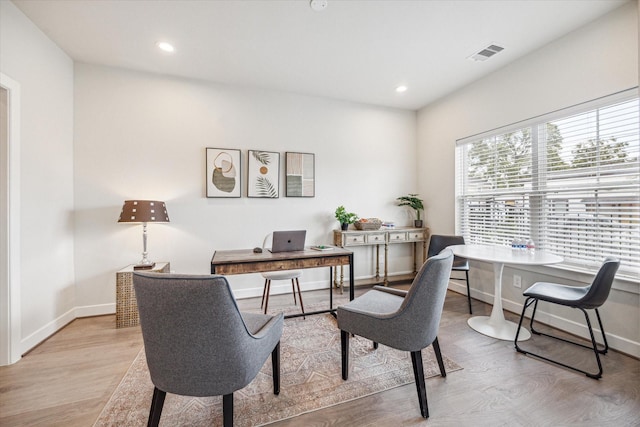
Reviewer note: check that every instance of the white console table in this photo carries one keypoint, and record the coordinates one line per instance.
(386, 238)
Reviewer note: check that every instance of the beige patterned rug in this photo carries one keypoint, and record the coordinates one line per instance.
(310, 380)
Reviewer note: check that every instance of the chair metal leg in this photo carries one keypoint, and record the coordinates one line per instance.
(418, 373)
(227, 410)
(264, 292)
(157, 402)
(594, 345)
(344, 347)
(275, 367)
(466, 272)
(299, 295)
(266, 298)
(375, 345)
(293, 291)
(436, 350)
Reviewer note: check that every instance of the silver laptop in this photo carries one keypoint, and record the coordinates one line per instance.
(288, 241)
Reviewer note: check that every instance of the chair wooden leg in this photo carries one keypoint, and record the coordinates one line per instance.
(468, 291)
(227, 410)
(436, 350)
(299, 295)
(266, 298)
(157, 402)
(418, 373)
(275, 367)
(264, 292)
(344, 346)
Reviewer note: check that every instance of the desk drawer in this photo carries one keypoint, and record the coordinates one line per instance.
(376, 238)
(398, 236)
(416, 236)
(354, 239)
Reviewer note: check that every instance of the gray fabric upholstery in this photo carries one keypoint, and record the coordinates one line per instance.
(410, 323)
(197, 342)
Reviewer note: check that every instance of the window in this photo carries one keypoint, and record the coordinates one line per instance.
(569, 180)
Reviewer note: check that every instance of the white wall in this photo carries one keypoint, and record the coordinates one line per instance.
(596, 60)
(144, 136)
(45, 75)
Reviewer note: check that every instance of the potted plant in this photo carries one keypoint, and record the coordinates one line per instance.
(345, 218)
(415, 203)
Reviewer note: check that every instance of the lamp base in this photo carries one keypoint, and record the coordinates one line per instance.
(144, 266)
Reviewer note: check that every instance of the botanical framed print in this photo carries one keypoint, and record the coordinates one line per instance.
(263, 174)
(223, 172)
(300, 174)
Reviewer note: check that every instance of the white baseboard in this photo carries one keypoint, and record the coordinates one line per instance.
(616, 342)
(46, 331)
(96, 310)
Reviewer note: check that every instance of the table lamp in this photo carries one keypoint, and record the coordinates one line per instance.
(144, 211)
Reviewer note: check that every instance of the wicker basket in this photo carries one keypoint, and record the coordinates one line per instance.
(371, 224)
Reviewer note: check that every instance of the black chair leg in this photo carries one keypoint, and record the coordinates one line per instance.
(275, 367)
(418, 373)
(468, 291)
(344, 346)
(436, 350)
(594, 344)
(157, 402)
(375, 345)
(266, 296)
(300, 297)
(264, 292)
(227, 410)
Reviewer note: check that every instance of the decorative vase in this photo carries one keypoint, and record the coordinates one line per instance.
(417, 223)
(344, 226)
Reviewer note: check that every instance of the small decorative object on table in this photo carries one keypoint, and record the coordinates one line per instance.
(368, 224)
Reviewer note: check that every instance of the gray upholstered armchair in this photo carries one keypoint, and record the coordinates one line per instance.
(198, 343)
(406, 321)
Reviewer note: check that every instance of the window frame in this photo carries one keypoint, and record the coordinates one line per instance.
(536, 124)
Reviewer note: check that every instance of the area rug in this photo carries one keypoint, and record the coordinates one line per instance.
(310, 380)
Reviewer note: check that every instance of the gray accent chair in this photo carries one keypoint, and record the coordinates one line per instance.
(437, 243)
(581, 297)
(197, 341)
(404, 320)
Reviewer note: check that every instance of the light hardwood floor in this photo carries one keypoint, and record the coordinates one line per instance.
(67, 380)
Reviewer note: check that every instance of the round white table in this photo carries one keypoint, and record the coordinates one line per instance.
(496, 325)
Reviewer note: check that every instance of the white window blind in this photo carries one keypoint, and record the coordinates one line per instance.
(570, 180)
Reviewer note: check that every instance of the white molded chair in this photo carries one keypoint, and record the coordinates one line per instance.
(269, 276)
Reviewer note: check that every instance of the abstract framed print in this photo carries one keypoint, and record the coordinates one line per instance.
(263, 174)
(300, 174)
(223, 172)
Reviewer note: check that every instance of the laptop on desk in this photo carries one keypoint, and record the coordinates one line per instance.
(288, 241)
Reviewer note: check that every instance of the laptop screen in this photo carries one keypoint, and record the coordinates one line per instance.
(288, 241)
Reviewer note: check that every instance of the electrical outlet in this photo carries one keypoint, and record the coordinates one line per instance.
(517, 281)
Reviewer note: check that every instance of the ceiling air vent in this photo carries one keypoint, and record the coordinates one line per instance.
(486, 53)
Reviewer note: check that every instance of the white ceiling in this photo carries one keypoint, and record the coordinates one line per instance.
(353, 50)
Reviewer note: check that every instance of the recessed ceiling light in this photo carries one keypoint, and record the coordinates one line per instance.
(401, 89)
(166, 47)
(318, 5)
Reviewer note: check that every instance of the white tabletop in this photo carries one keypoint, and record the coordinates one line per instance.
(505, 255)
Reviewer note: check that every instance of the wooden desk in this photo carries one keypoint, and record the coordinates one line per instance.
(384, 237)
(244, 261)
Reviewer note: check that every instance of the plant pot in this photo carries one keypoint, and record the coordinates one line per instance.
(344, 226)
(417, 223)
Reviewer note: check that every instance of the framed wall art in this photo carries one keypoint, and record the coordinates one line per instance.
(223, 172)
(263, 174)
(300, 174)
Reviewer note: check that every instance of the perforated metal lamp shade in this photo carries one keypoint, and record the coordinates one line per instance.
(144, 211)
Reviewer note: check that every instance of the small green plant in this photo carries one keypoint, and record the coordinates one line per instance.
(414, 202)
(345, 217)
